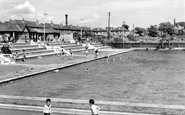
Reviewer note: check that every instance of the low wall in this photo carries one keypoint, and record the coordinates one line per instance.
(145, 45)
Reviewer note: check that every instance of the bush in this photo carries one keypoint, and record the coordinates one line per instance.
(131, 37)
(118, 40)
(106, 41)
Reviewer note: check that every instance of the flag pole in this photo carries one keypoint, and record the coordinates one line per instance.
(44, 27)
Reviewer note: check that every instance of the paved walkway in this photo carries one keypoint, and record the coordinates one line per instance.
(7, 109)
(24, 112)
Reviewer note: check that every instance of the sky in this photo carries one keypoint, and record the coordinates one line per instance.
(94, 13)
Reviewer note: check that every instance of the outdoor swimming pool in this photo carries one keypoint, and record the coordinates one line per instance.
(139, 76)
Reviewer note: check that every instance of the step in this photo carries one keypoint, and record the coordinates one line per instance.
(70, 45)
(97, 45)
(12, 44)
(37, 52)
(26, 49)
(79, 50)
(59, 44)
(21, 46)
(24, 46)
(31, 56)
(79, 47)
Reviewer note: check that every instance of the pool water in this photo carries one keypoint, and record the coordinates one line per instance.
(139, 76)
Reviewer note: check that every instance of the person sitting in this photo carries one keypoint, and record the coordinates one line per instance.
(6, 49)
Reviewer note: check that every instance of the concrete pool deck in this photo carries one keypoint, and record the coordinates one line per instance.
(33, 69)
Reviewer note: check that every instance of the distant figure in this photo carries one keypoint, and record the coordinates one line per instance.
(62, 51)
(94, 108)
(70, 52)
(86, 53)
(86, 50)
(86, 47)
(87, 70)
(96, 52)
(24, 56)
(146, 49)
(47, 107)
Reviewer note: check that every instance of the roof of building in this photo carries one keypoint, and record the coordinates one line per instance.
(99, 30)
(9, 27)
(24, 22)
(41, 30)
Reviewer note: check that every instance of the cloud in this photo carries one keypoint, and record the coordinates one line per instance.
(24, 8)
(21, 9)
(95, 12)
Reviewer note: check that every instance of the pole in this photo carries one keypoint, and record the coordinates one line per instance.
(44, 27)
(81, 28)
(108, 34)
(123, 33)
(44, 30)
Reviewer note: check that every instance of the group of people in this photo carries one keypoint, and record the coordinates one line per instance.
(96, 51)
(94, 108)
(6, 50)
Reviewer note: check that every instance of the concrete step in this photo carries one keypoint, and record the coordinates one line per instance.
(97, 45)
(71, 45)
(60, 44)
(20, 47)
(26, 49)
(79, 50)
(14, 44)
(72, 48)
(37, 52)
(31, 56)
(24, 46)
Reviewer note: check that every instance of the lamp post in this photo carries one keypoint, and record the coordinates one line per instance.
(123, 33)
(108, 31)
(81, 28)
(45, 27)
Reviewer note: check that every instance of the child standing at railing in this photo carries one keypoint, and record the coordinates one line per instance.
(47, 107)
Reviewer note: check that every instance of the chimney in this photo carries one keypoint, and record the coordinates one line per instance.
(66, 19)
(174, 21)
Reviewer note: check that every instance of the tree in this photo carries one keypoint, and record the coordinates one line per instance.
(182, 24)
(152, 31)
(125, 26)
(166, 27)
(140, 31)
